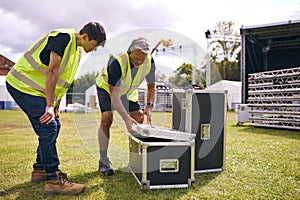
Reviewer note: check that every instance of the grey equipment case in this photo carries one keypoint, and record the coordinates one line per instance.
(161, 157)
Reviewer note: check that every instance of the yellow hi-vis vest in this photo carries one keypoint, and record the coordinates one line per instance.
(127, 85)
(29, 73)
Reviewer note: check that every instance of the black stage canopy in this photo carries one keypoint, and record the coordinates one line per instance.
(272, 46)
(269, 47)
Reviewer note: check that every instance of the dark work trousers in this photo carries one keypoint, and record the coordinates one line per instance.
(34, 107)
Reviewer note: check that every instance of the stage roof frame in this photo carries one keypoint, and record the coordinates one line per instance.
(280, 35)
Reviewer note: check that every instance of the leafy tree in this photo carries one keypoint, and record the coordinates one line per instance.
(84, 82)
(225, 47)
(183, 76)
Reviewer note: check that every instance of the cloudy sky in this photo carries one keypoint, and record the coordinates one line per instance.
(23, 21)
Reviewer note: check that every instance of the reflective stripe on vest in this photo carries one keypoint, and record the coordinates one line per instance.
(124, 60)
(126, 70)
(37, 67)
(143, 75)
(26, 80)
(132, 84)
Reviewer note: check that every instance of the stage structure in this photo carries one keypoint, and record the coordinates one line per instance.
(188, 53)
(270, 73)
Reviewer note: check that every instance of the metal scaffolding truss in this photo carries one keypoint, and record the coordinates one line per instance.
(274, 98)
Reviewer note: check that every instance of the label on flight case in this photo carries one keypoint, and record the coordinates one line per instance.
(205, 132)
(183, 103)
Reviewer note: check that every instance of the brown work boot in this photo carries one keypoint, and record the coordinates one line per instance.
(38, 176)
(62, 186)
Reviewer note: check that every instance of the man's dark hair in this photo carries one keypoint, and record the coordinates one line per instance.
(95, 31)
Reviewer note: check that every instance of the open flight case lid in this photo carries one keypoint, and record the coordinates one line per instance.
(162, 132)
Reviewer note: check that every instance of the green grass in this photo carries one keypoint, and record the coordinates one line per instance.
(260, 163)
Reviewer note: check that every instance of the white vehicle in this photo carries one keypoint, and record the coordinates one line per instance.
(76, 107)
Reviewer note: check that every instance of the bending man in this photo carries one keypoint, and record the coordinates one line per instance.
(38, 81)
(117, 90)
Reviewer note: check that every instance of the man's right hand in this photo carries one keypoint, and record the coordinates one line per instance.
(48, 116)
(129, 122)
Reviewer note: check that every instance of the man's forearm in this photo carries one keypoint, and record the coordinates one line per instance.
(117, 103)
(151, 93)
(52, 77)
(51, 80)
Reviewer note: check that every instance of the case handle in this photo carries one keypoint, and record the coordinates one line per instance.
(168, 165)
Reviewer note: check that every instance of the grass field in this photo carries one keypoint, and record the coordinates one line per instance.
(260, 163)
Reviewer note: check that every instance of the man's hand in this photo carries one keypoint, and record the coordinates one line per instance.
(129, 122)
(56, 112)
(48, 116)
(56, 109)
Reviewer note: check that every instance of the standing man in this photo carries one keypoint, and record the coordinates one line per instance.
(117, 89)
(38, 81)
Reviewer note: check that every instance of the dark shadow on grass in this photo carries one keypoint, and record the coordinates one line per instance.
(122, 185)
(25, 190)
(28, 190)
(292, 134)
